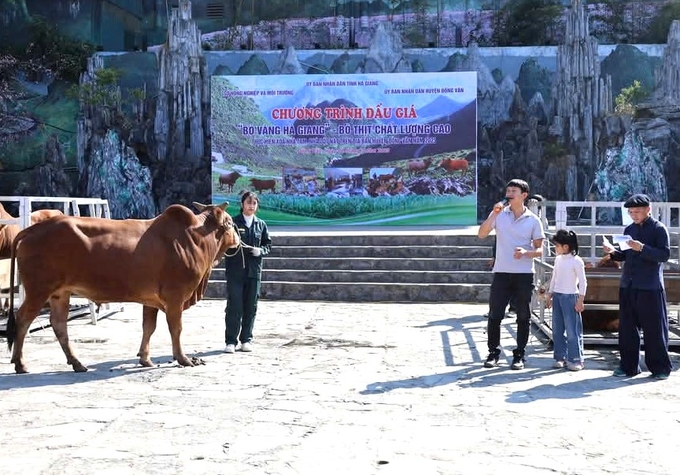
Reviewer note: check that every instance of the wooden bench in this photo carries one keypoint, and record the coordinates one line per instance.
(602, 296)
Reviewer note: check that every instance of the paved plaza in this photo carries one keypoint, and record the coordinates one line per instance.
(331, 388)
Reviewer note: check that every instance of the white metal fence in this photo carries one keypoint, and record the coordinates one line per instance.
(582, 217)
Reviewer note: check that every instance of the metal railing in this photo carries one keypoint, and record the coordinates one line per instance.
(593, 229)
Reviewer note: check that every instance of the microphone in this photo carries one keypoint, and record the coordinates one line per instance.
(499, 206)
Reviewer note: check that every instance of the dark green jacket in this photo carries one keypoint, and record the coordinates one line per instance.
(243, 264)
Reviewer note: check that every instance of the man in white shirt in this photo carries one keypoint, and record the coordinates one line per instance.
(519, 238)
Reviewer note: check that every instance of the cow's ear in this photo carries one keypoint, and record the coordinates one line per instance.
(200, 207)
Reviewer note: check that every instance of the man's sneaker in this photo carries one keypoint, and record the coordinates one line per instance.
(492, 360)
(559, 364)
(230, 348)
(517, 362)
(517, 359)
(660, 376)
(575, 366)
(246, 347)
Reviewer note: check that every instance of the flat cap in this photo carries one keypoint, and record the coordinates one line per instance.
(637, 201)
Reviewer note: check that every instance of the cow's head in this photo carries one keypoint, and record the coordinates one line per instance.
(226, 233)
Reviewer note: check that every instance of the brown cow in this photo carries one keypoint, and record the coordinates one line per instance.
(418, 166)
(163, 263)
(9, 231)
(261, 185)
(44, 214)
(451, 165)
(229, 179)
(7, 234)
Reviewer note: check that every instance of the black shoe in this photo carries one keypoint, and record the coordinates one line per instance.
(492, 360)
(517, 360)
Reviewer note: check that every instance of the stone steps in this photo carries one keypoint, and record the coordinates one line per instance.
(371, 267)
(391, 239)
(385, 264)
(369, 276)
(393, 252)
(365, 292)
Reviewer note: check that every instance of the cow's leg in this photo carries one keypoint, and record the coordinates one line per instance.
(150, 317)
(58, 320)
(173, 314)
(24, 316)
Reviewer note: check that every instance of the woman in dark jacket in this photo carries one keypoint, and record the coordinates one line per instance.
(244, 276)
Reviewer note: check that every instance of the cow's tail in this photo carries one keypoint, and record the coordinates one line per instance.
(11, 330)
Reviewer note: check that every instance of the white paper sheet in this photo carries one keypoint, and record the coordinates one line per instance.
(622, 240)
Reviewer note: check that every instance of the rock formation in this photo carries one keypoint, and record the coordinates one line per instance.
(493, 100)
(181, 128)
(668, 86)
(181, 95)
(650, 152)
(114, 173)
(632, 168)
(288, 63)
(386, 53)
(108, 168)
(50, 178)
(582, 95)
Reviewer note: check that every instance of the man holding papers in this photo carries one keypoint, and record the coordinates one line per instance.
(644, 247)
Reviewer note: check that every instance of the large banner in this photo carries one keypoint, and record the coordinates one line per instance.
(360, 149)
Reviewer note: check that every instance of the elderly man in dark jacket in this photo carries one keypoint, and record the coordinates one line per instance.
(642, 297)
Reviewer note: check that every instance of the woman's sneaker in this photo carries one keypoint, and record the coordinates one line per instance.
(575, 366)
(559, 364)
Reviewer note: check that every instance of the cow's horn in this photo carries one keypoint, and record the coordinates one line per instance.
(224, 205)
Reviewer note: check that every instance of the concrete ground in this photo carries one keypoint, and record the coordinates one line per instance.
(331, 388)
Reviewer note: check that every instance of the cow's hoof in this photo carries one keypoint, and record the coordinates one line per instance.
(20, 369)
(146, 362)
(78, 367)
(184, 361)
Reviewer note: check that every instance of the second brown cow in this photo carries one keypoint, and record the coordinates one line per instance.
(9, 231)
(261, 185)
(452, 164)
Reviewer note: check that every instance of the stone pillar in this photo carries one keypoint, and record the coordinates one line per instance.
(182, 104)
(668, 88)
(582, 95)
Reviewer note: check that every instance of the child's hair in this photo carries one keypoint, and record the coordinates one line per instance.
(248, 194)
(564, 237)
